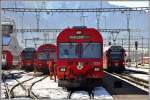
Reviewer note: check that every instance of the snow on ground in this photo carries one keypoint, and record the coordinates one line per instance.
(49, 88)
(11, 82)
(141, 76)
(138, 69)
(99, 93)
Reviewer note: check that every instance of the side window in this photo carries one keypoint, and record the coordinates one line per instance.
(4, 56)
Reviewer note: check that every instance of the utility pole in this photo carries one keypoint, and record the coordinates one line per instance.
(98, 18)
(22, 27)
(142, 50)
(122, 42)
(83, 19)
(128, 28)
(0, 40)
(149, 46)
(25, 43)
(37, 19)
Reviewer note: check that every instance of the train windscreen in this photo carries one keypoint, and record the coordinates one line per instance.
(80, 50)
(115, 55)
(27, 55)
(46, 56)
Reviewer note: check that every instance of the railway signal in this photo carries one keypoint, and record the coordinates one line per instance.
(136, 47)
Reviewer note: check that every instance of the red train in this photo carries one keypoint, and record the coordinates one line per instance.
(44, 54)
(115, 57)
(7, 59)
(10, 45)
(27, 58)
(79, 57)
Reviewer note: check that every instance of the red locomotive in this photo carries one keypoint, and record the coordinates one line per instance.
(115, 56)
(44, 54)
(7, 59)
(79, 57)
(27, 58)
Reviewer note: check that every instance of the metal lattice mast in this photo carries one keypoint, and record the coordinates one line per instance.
(128, 28)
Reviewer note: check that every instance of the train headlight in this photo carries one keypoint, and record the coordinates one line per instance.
(62, 69)
(4, 61)
(96, 69)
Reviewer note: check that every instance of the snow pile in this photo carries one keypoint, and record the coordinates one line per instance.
(141, 76)
(49, 89)
(138, 69)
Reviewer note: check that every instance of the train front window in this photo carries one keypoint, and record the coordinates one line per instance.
(43, 56)
(116, 55)
(7, 29)
(80, 50)
(46, 56)
(92, 50)
(27, 55)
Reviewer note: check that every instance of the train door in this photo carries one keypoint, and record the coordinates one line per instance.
(4, 59)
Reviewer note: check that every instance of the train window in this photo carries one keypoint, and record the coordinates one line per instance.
(46, 55)
(43, 56)
(6, 40)
(67, 51)
(92, 50)
(82, 50)
(27, 55)
(7, 29)
(116, 55)
(4, 56)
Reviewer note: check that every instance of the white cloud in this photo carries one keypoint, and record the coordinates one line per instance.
(131, 3)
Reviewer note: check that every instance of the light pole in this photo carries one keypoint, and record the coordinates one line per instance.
(35, 39)
(0, 39)
(149, 48)
(128, 28)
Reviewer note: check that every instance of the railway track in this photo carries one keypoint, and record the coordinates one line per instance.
(134, 71)
(135, 80)
(9, 91)
(28, 91)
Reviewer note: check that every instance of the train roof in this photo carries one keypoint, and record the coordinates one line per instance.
(116, 48)
(29, 49)
(46, 47)
(77, 34)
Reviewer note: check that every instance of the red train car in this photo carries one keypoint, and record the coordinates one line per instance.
(7, 59)
(44, 54)
(79, 57)
(115, 56)
(27, 58)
